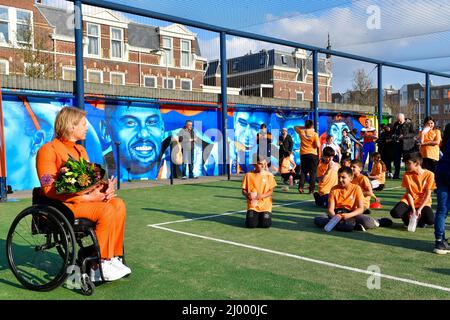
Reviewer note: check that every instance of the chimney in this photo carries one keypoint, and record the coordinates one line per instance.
(329, 46)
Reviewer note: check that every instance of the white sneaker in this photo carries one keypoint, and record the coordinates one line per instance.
(95, 275)
(117, 262)
(111, 272)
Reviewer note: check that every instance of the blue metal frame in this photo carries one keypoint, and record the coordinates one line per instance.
(224, 100)
(380, 97)
(316, 90)
(427, 95)
(79, 71)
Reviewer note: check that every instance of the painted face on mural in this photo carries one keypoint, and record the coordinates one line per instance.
(140, 132)
(247, 126)
(336, 131)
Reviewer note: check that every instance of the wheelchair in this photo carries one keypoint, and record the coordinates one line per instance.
(42, 246)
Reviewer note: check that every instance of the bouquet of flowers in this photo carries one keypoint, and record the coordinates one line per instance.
(79, 177)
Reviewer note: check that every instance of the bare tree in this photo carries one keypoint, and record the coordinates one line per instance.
(32, 53)
(363, 92)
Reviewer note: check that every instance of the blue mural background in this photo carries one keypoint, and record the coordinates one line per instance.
(144, 131)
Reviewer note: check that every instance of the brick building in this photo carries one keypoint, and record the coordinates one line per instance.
(116, 51)
(274, 74)
(412, 94)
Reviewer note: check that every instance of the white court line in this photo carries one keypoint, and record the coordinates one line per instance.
(241, 211)
(223, 214)
(329, 264)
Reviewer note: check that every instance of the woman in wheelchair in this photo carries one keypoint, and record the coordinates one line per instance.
(102, 207)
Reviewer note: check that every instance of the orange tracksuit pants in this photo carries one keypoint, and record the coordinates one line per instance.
(110, 217)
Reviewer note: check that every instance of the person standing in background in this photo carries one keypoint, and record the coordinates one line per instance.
(369, 136)
(264, 142)
(430, 139)
(403, 136)
(286, 144)
(386, 149)
(188, 139)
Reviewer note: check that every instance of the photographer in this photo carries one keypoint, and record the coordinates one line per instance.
(403, 136)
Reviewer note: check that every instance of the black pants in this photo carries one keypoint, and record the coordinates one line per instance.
(347, 225)
(398, 154)
(386, 157)
(286, 176)
(380, 188)
(309, 163)
(258, 219)
(429, 164)
(402, 210)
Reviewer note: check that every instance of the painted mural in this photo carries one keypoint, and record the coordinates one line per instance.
(135, 137)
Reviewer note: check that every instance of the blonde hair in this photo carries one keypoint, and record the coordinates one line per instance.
(66, 118)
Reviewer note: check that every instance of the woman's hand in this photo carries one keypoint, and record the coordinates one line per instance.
(95, 195)
(111, 190)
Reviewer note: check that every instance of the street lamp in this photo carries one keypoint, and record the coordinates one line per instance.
(419, 111)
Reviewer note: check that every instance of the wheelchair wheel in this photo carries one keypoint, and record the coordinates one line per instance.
(38, 248)
(87, 286)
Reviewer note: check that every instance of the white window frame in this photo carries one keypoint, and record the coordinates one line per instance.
(17, 23)
(186, 80)
(164, 83)
(300, 92)
(416, 94)
(165, 54)
(71, 69)
(435, 94)
(154, 78)
(8, 22)
(117, 73)
(122, 44)
(99, 42)
(284, 59)
(184, 51)
(446, 108)
(93, 71)
(435, 109)
(445, 93)
(6, 62)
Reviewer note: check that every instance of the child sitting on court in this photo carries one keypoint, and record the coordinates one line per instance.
(327, 176)
(378, 173)
(364, 183)
(347, 200)
(287, 170)
(346, 162)
(419, 183)
(257, 187)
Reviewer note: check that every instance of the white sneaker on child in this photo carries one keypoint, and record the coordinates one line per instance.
(111, 272)
(117, 262)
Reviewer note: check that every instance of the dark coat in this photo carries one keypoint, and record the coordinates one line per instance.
(406, 129)
(287, 144)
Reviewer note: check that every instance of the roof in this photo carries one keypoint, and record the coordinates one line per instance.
(267, 58)
(143, 36)
(58, 18)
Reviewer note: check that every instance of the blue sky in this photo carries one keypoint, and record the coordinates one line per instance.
(408, 31)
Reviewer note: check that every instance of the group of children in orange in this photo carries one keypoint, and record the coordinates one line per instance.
(345, 191)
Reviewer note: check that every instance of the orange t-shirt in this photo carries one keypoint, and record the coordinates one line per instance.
(330, 180)
(364, 183)
(431, 152)
(377, 169)
(309, 141)
(259, 183)
(50, 158)
(417, 185)
(369, 134)
(286, 165)
(346, 198)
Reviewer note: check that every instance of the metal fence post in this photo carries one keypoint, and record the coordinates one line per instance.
(380, 98)
(224, 101)
(316, 90)
(118, 164)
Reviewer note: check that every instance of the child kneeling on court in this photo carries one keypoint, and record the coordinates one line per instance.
(257, 187)
(327, 176)
(347, 200)
(287, 170)
(378, 174)
(364, 183)
(419, 183)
